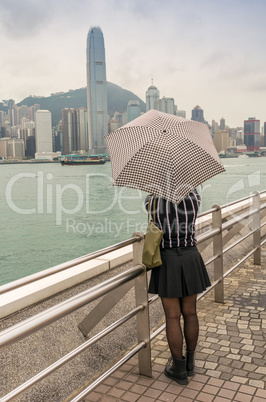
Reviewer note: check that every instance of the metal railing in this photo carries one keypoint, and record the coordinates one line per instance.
(221, 223)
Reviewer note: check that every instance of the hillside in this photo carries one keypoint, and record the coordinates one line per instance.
(117, 100)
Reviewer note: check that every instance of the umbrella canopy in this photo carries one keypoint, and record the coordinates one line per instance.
(163, 154)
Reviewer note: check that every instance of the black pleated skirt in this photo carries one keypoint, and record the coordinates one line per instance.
(182, 273)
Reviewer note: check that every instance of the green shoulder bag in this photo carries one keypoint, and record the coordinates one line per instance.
(151, 256)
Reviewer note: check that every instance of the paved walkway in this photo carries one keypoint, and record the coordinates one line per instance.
(231, 354)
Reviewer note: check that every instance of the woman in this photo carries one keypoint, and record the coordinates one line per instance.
(179, 279)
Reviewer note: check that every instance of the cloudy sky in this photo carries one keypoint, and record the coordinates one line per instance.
(210, 53)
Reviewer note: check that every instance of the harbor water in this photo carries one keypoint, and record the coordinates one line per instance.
(52, 213)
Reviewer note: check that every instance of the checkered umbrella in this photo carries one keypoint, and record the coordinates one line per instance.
(163, 154)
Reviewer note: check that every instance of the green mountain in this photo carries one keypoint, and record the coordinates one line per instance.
(117, 100)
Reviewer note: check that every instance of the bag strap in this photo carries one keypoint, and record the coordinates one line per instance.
(149, 211)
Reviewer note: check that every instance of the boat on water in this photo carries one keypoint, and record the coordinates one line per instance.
(78, 162)
(228, 156)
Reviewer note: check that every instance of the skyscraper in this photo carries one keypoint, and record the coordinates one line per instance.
(222, 124)
(43, 131)
(166, 105)
(197, 114)
(252, 134)
(221, 140)
(75, 130)
(10, 105)
(96, 91)
(152, 95)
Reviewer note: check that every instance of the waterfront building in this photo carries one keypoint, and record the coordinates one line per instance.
(48, 156)
(12, 148)
(30, 147)
(133, 110)
(152, 96)
(197, 114)
(66, 125)
(58, 142)
(252, 134)
(221, 140)
(43, 131)
(82, 122)
(74, 130)
(96, 91)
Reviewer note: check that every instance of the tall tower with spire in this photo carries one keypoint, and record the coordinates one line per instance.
(152, 95)
(96, 91)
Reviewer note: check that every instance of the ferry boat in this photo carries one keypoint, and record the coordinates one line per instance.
(91, 160)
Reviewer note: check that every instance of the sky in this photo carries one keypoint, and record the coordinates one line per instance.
(210, 53)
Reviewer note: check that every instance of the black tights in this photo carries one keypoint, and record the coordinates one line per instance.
(175, 307)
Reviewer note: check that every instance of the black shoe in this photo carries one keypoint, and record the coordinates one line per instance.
(177, 370)
(190, 362)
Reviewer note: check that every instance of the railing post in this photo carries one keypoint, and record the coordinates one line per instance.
(256, 226)
(218, 250)
(143, 319)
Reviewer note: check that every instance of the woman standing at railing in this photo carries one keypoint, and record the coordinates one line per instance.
(179, 279)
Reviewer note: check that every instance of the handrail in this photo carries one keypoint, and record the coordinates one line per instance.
(69, 264)
(237, 201)
(59, 363)
(110, 371)
(228, 248)
(238, 219)
(87, 257)
(208, 212)
(32, 324)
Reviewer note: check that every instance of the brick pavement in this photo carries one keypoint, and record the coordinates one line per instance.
(230, 360)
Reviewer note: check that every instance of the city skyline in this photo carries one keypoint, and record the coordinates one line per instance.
(210, 54)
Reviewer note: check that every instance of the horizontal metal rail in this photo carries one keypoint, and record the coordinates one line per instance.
(263, 206)
(107, 373)
(248, 197)
(32, 324)
(212, 259)
(240, 262)
(208, 212)
(263, 241)
(208, 235)
(239, 218)
(69, 264)
(59, 363)
(226, 249)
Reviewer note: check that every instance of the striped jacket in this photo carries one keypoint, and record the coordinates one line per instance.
(177, 221)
